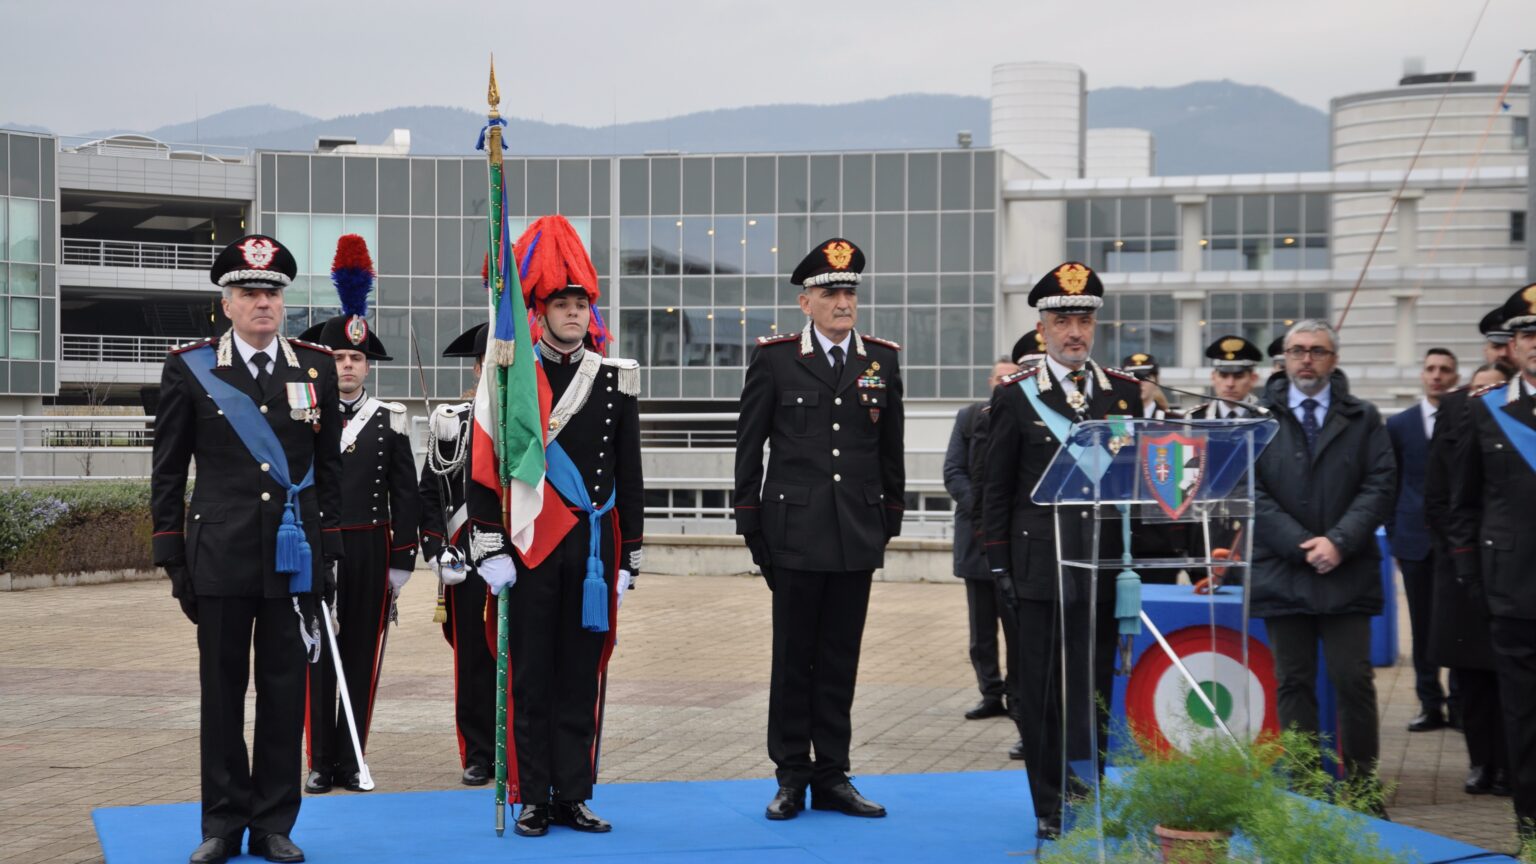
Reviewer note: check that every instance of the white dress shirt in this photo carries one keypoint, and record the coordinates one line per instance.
(1323, 398)
(1427, 412)
(247, 351)
(1060, 371)
(828, 344)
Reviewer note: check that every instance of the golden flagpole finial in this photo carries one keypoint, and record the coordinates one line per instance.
(493, 96)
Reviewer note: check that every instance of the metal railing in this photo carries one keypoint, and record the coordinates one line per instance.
(86, 348)
(143, 147)
(125, 253)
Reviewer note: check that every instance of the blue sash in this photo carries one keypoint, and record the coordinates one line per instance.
(1092, 461)
(563, 474)
(293, 553)
(1520, 435)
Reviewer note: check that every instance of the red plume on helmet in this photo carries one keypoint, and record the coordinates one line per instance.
(551, 260)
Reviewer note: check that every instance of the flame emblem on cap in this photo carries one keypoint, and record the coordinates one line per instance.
(1073, 278)
(1529, 296)
(357, 330)
(258, 252)
(839, 254)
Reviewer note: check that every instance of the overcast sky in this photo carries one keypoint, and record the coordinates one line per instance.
(90, 64)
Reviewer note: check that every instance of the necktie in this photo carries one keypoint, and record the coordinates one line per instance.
(263, 377)
(1309, 422)
(837, 361)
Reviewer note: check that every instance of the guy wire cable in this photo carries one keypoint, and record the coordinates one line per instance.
(1392, 204)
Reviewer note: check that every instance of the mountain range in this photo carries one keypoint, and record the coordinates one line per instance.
(1205, 127)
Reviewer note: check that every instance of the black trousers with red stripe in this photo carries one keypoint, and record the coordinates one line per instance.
(474, 671)
(556, 672)
(362, 606)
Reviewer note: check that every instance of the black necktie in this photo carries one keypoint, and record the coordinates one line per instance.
(837, 361)
(263, 377)
(1309, 422)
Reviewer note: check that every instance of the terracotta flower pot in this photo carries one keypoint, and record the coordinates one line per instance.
(1192, 847)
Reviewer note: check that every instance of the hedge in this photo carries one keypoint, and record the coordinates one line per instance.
(75, 529)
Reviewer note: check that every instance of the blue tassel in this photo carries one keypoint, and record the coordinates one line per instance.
(594, 598)
(289, 538)
(1128, 602)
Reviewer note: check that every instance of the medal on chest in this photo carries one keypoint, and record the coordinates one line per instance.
(871, 387)
(303, 402)
(1077, 400)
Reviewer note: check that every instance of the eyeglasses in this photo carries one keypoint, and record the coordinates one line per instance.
(1317, 352)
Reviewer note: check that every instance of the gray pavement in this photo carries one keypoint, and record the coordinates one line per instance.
(98, 706)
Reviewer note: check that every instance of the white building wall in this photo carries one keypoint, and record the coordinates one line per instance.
(1038, 115)
(1120, 153)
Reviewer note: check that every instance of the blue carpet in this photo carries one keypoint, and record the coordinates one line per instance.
(971, 816)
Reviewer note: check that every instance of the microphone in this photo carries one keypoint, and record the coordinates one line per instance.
(1248, 406)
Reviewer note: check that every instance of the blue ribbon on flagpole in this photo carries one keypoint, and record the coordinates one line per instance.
(485, 130)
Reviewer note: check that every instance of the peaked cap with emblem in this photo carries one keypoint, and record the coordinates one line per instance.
(352, 273)
(1071, 288)
(836, 262)
(1519, 310)
(254, 261)
(1139, 362)
(1234, 354)
(470, 343)
(1031, 345)
(1492, 327)
(1277, 347)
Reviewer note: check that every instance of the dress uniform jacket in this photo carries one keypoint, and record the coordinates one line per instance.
(474, 667)
(558, 668)
(835, 453)
(1459, 629)
(380, 512)
(226, 538)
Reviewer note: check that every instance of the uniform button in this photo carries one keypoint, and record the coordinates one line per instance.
(1084, 514)
(836, 452)
(1498, 445)
(595, 488)
(836, 426)
(837, 478)
(375, 494)
(799, 400)
(599, 454)
(607, 420)
(599, 470)
(605, 437)
(837, 401)
(610, 406)
(196, 516)
(781, 496)
(263, 409)
(266, 496)
(610, 389)
(266, 466)
(376, 480)
(221, 412)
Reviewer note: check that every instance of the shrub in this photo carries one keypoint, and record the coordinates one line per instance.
(75, 529)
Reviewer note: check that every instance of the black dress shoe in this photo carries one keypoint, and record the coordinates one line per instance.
(532, 820)
(476, 775)
(1017, 750)
(845, 799)
(1048, 828)
(1499, 785)
(989, 706)
(213, 850)
(353, 782)
(318, 783)
(787, 803)
(1427, 721)
(1479, 781)
(577, 816)
(277, 847)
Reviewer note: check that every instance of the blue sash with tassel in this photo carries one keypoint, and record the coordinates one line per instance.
(563, 474)
(293, 553)
(1521, 436)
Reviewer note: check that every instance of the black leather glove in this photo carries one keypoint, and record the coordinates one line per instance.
(757, 544)
(328, 583)
(1006, 589)
(181, 589)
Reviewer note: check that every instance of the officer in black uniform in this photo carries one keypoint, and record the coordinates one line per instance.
(1154, 403)
(380, 511)
(1491, 542)
(1028, 409)
(1496, 337)
(227, 556)
(828, 401)
(461, 592)
(563, 604)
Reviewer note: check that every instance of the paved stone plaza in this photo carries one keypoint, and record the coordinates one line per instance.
(99, 704)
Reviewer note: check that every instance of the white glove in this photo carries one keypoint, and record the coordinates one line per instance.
(398, 578)
(499, 572)
(450, 568)
(624, 579)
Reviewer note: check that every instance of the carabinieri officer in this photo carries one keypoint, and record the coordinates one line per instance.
(828, 401)
(261, 416)
(380, 510)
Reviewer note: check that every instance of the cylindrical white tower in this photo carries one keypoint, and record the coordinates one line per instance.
(1382, 130)
(1038, 115)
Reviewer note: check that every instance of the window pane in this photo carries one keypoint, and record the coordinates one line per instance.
(1287, 214)
(955, 346)
(325, 184)
(24, 313)
(955, 242)
(24, 279)
(476, 189)
(1316, 206)
(890, 181)
(955, 180)
(634, 246)
(1223, 215)
(792, 241)
(729, 180)
(922, 243)
(922, 336)
(986, 181)
(634, 328)
(448, 246)
(762, 245)
(1165, 217)
(293, 232)
(729, 323)
(324, 231)
(696, 337)
(1316, 305)
(982, 352)
(394, 187)
(698, 245)
(634, 187)
(543, 186)
(1133, 217)
(730, 244)
(361, 184)
(1077, 218)
(24, 346)
(575, 187)
(761, 196)
(666, 245)
(923, 181)
(824, 184)
(697, 181)
(25, 175)
(665, 330)
(666, 186)
(423, 187)
(793, 179)
(25, 233)
(858, 194)
(1256, 215)
(1223, 307)
(1256, 307)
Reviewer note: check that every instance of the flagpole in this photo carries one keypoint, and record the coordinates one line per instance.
(494, 273)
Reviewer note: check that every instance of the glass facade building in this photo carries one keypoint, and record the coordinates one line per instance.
(1241, 232)
(694, 252)
(29, 226)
